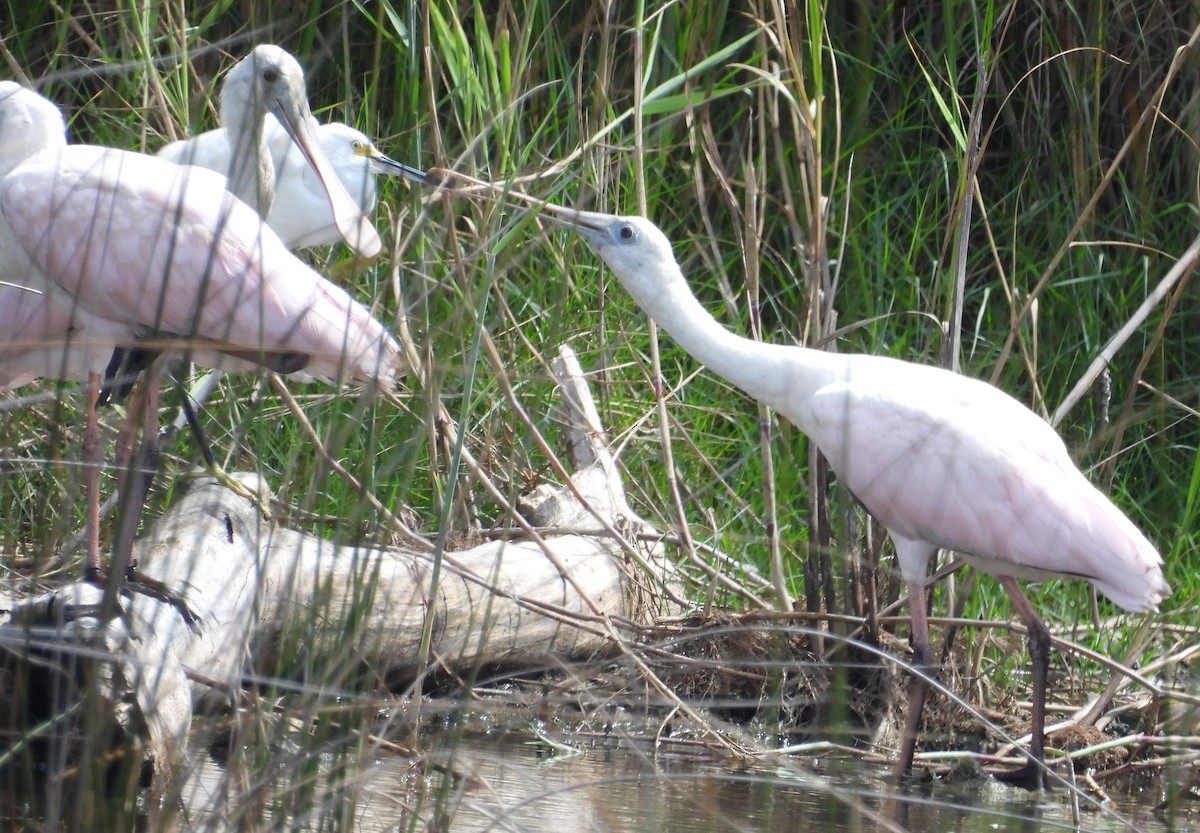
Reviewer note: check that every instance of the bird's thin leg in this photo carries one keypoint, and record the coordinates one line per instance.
(214, 469)
(91, 482)
(110, 604)
(187, 411)
(923, 663)
(136, 470)
(137, 476)
(1033, 774)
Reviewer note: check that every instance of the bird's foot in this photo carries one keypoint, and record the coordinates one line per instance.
(96, 575)
(1032, 776)
(255, 496)
(139, 582)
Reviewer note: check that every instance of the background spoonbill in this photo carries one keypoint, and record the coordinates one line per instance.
(301, 212)
(146, 250)
(942, 460)
(281, 149)
(314, 184)
(269, 81)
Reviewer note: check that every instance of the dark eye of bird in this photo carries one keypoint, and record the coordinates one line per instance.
(626, 232)
(270, 76)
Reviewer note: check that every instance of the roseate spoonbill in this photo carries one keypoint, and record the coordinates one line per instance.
(942, 460)
(146, 251)
(266, 124)
(284, 154)
(301, 213)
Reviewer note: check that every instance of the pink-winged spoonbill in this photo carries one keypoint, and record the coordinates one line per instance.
(940, 459)
(149, 252)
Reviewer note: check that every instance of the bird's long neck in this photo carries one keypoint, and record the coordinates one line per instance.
(782, 377)
(251, 177)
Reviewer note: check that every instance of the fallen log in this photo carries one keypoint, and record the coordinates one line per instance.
(264, 592)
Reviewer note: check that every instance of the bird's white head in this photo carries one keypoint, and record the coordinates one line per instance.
(270, 80)
(267, 80)
(640, 255)
(633, 247)
(343, 142)
(29, 124)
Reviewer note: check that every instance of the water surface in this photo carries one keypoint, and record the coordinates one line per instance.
(513, 782)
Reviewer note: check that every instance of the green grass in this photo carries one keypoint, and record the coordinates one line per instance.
(866, 108)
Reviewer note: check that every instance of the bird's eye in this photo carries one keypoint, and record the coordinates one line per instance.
(270, 75)
(627, 233)
(356, 145)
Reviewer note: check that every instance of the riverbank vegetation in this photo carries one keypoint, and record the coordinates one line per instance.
(994, 187)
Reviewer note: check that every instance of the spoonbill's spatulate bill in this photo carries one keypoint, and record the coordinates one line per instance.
(300, 214)
(142, 250)
(942, 460)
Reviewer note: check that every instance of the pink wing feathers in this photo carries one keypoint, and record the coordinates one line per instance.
(955, 462)
(165, 250)
(39, 339)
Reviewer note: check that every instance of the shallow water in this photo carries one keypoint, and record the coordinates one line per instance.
(508, 783)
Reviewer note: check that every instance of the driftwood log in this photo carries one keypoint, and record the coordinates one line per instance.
(258, 587)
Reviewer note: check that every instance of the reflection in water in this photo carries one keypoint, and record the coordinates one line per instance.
(504, 783)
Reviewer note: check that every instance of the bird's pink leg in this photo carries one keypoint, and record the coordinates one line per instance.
(923, 662)
(1033, 774)
(127, 435)
(124, 459)
(91, 482)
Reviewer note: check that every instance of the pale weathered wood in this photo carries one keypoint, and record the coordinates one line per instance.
(260, 588)
(248, 580)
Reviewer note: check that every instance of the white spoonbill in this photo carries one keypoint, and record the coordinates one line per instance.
(152, 252)
(312, 182)
(300, 212)
(942, 460)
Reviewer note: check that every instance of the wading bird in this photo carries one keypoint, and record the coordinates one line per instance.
(270, 81)
(293, 170)
(942, 460)
(267, 147)
(148, 252)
